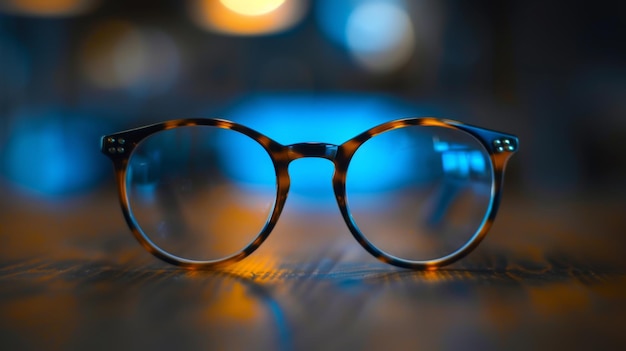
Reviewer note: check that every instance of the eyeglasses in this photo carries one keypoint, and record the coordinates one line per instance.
(416, 193)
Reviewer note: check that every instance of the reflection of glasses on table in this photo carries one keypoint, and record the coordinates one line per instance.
(415, 193)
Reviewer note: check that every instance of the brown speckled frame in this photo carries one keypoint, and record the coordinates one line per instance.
(119, 147)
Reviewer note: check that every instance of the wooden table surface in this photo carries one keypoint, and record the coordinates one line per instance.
(550, 275)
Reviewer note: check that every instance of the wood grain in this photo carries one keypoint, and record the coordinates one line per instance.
(72, 277)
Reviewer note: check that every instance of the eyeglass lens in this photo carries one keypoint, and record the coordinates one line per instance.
(185, 199)
(438, 193)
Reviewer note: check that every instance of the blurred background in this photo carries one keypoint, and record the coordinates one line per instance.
(553, 73)
(550, 273)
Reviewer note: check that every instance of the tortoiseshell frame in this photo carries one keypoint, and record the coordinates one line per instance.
(119, 147)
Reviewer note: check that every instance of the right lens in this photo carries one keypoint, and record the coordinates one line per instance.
(437, 192)
(185, 201)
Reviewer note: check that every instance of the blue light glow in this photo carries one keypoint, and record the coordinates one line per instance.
(247, 161)
(296, 118)
(51, 154)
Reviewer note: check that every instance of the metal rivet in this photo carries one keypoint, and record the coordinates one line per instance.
(120, 150)
(112, 150)
(507, 142)
(511, 148)
(497, 142)
(121, 141)
(500, 149)
(110, 140)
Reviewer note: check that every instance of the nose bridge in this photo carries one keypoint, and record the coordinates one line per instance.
(320, 150)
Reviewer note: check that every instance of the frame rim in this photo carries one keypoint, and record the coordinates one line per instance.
(482, 135)
(133, 137)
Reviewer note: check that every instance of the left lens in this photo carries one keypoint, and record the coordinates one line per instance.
(437, 196)
(184, 200)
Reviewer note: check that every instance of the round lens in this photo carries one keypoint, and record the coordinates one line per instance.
(436, 195)
(185, 199)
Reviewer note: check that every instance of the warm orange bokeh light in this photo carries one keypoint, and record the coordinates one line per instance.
(229, 17)
(47, 7)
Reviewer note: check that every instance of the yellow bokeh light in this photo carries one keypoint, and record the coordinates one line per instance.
(239, 17)
(47, 7)
(252, 7)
